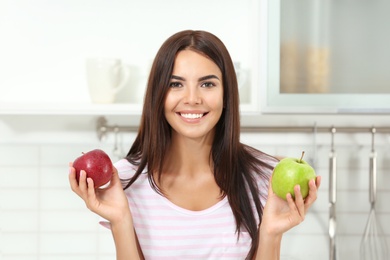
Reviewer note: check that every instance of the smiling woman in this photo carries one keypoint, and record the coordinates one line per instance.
(188, 187)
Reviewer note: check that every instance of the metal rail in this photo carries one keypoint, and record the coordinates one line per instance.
(102, 128)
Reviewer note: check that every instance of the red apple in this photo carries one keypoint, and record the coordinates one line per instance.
(98, 166)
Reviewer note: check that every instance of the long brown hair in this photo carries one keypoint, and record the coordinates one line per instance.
(234, 163)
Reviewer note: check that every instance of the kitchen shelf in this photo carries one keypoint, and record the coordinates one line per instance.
(69, 109)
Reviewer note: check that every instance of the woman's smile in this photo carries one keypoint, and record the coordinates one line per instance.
(192, 117)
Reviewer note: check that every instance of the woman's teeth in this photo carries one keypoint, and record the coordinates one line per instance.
(192, 116)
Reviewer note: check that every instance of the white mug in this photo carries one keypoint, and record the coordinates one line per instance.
(105, 77)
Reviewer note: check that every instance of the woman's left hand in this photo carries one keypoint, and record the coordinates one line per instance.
(280, 215)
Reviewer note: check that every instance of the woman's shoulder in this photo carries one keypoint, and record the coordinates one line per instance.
(125, 169)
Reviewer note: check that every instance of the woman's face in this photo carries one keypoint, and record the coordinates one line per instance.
(194, 101)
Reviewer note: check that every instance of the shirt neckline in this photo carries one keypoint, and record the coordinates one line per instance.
(182, 210)
(206, 211)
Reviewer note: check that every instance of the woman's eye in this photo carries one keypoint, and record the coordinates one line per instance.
(208, 84)
(175, 84)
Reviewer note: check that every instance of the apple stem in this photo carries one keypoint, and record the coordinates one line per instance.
(303, 153)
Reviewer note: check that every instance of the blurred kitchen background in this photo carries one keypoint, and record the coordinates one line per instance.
(305, 67)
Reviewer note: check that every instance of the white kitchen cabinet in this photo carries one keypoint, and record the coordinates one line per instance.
(326, 57)
(45, 44)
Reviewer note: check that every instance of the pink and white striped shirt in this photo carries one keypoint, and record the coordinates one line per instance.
(166, 231)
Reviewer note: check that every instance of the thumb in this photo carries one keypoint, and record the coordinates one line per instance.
(115, 176)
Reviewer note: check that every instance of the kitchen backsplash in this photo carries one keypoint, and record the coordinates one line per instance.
(41, 218)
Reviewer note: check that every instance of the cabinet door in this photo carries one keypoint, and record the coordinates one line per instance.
(327, 56)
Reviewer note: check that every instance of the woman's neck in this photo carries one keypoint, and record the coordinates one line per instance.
(188, 156)
(188, 178)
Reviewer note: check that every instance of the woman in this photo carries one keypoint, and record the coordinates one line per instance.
(188, 189)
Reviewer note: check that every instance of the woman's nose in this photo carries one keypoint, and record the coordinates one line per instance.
(193, 96)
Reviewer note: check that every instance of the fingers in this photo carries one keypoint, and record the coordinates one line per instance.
(291, 202)
(299, 200)
(302, 205)
(299, 204)
(313, 188)
(318, 181)
(90, 194)
(83, 186)
(83, 180)
(72, 179)
(296, 206)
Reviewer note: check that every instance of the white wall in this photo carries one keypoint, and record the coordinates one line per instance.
(41, 218)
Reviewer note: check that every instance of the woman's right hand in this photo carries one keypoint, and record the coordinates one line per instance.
(109, 202)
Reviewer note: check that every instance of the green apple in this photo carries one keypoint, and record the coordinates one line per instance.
(290, 172)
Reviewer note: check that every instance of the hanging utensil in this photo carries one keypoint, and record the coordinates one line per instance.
(117, 152)
(373, 245)
(332, 199)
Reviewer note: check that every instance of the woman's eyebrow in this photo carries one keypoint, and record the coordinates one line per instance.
(177, 77)
(208, 77)
(200, 79)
